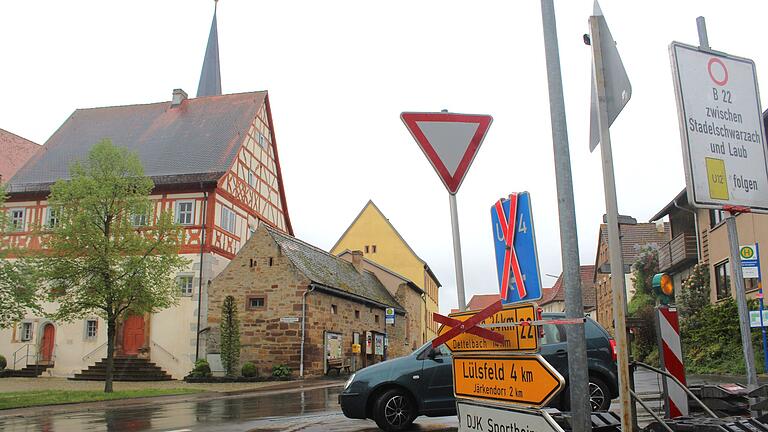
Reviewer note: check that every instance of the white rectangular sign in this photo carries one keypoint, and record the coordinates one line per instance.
(487, 418)
(754, 318)
(749, 261)
(289, 320)
(721, 128)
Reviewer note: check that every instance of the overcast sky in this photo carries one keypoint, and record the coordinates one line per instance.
(340, 73)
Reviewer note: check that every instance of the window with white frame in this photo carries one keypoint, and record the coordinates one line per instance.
(91, 328)
(251, 179)
(227, 219)
(25, 331)
(52, 217)
(261, 140)
(139, 219)
(185, 284)
(185, 211)
(17, 219)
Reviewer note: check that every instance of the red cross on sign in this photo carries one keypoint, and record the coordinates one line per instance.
(469, 326)
(510, 256)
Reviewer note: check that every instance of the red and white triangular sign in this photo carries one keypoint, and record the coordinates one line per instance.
(450, 141)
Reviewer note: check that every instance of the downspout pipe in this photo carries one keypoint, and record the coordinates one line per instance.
(310, 288)
(200, 274)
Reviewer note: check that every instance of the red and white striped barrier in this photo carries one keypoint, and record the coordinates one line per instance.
(672, 361)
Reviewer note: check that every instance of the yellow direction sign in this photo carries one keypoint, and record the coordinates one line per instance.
(524, 380)
(516, 338)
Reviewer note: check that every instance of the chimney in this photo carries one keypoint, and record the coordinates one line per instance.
(179, 96)
(660, 226)
(623, 220)
(357, 260)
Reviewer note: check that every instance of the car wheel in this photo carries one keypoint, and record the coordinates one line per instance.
(599, 395)
(394, 411)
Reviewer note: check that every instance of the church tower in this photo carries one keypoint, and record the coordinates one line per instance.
(210, 75)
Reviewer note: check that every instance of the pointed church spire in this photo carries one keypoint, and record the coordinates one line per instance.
(210, 76)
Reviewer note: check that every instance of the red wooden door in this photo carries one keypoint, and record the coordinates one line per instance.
(133, 335)
(46, 344)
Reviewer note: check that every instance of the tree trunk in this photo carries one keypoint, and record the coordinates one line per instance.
(111, 323)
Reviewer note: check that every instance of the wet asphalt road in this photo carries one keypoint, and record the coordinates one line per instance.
(288, 410)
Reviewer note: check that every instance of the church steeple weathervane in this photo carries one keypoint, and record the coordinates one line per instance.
(210, 76)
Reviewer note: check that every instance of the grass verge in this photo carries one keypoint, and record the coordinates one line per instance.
(56, 397)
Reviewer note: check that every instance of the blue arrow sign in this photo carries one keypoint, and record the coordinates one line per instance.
(517, 266)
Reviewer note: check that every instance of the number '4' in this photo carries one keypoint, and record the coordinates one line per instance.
(521, 226)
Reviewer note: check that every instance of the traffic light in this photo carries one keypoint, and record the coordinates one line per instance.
(664, 288)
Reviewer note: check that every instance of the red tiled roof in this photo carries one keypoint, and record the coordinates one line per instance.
(482, 301)
(557, 293)
(16, 152)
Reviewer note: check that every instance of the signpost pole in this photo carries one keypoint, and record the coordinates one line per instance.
(741, 301)
(762, 324)
(574, 307)
(457, 253)
(614, 241)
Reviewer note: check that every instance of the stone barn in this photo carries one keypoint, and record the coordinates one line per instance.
(297, 302)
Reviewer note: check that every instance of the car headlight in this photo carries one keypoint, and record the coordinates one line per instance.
(349, 381)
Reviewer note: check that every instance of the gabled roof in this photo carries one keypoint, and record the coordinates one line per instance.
(634, 237)
(387, 270)
(680, 200)
(195, 141)
(557, 292)
(15, 152)
(371, 204)
(333, 272)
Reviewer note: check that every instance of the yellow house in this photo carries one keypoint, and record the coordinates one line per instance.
(373, 234)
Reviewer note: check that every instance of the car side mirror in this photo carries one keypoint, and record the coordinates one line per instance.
(434, 353)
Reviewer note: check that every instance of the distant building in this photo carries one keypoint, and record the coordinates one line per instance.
(373, 234)
(16, 152)
(278, 278)
(634, 237)
(708, 244)
(480, 301)
(553, 299)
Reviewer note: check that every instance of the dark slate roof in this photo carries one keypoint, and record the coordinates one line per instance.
(195, 141)
(634, 238)
(333, 272)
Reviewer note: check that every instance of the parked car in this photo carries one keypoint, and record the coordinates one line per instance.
(395, 392)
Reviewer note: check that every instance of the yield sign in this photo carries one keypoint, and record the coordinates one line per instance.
(450, 141)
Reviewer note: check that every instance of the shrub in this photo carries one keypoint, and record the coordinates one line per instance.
(3, 363)
(202, 369)
(249, 370)
(230, 336)
(281, 370)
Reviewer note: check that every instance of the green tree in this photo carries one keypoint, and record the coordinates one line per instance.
(230, 335)
(17, 279)
(694, 295)
(97, 261)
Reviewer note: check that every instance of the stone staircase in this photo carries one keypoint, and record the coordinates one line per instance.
(31, 371)
(126, 369)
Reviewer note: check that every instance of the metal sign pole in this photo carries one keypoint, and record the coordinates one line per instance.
(614, 242)
(741, 301)
(574, 306)
(762, 325)
(457, 253)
